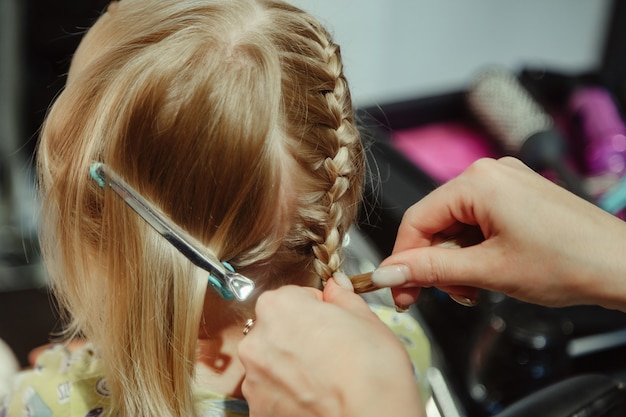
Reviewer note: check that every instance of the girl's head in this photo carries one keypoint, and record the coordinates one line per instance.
(235, 119)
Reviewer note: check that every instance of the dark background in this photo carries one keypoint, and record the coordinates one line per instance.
(48, 33)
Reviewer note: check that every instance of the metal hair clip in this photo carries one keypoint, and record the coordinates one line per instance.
(222, 277)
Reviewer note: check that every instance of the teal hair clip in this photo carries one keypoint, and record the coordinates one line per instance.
(222, 277)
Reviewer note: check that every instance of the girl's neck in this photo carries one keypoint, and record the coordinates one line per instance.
(218, 367)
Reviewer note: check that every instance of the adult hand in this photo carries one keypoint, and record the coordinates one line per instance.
(541, 244)
(324, 354)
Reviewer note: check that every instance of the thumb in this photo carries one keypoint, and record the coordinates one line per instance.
(346, 299)
(435, 266)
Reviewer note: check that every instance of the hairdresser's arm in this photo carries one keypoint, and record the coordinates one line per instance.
(542, 244)
(311, 358)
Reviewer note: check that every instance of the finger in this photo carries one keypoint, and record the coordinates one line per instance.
(473, 266)
(341, 297)
(343, 281)
(459, 202)
(284, 299)
(288, 294)
(404, 298)
(446, 210)
(467, 296)
(513, 163)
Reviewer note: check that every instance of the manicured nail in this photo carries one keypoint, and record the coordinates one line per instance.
(391, 276)
(464, 301)
(343, 281)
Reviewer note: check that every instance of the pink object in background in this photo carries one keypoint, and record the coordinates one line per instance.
(602, 129)
(442, 150)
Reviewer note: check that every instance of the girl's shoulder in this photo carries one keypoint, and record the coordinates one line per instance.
(61, 383)
(70, 383)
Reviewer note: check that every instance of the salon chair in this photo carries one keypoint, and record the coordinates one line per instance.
(591, 395)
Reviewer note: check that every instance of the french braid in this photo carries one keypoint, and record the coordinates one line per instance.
(339, 167)
(327, 145)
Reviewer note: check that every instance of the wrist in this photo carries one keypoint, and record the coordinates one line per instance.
(603, 268)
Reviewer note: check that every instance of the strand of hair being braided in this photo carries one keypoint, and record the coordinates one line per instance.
(327, 145)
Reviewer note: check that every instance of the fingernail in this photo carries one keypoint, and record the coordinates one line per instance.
(464, 301)
(343, 281)
(402, 309)
(391, 276)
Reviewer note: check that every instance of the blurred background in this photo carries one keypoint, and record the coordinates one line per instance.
(398, 49)
(410, 65)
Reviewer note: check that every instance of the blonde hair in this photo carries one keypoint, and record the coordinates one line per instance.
(235, 119)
